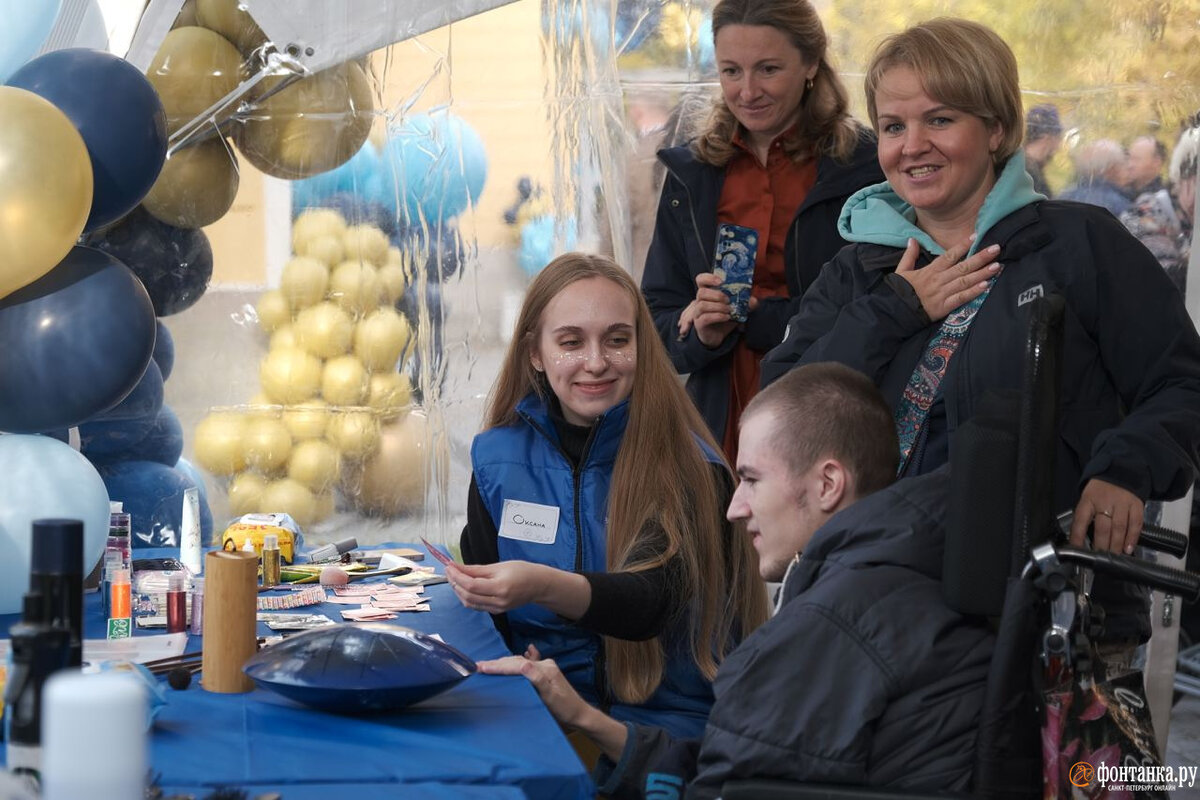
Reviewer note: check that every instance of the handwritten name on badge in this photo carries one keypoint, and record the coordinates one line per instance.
(529, 522)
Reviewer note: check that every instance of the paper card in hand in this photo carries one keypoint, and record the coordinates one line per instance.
(737, 248)
(436, 553)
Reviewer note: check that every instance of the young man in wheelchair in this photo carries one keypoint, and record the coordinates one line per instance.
(863, 676)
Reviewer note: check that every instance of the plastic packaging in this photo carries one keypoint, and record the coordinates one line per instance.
(270, 560)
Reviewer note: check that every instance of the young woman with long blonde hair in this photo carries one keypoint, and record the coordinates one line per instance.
(595, 529)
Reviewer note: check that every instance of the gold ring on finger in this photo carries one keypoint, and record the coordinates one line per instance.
(1105, 513)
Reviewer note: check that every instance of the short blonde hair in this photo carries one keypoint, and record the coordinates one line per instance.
(960, 63)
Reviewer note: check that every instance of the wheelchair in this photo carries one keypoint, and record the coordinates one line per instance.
(1006, 559)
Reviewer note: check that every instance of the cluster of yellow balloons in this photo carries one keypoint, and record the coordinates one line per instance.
(334, 410)
(312, 125)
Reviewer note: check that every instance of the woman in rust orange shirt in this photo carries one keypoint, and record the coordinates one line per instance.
(780, 154)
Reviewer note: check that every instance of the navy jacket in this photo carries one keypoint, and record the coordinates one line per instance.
(523, 463)
(1130, 387)
(685, 234)
(863, 677)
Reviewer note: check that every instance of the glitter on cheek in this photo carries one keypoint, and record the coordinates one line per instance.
(617, 357)
(566, 359)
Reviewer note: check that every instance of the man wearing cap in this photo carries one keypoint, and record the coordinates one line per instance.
(1043, 135)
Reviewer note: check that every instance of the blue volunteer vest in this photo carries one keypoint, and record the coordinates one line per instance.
(522, 467)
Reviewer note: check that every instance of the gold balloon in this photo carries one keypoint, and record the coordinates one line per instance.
(261, 407)
(324, 330)
(325, 507)
(355, 286)
(192, 70)
(380, 339)
(393, 279)
(197, 185)
(395, 478)
(45, 187)
(227, 18)
(315, 463)
(245, 492)
(307, 420)
(366, 243)
(290, 375)
(326, 248)
(389, 392)
(344, 382)
(267, 444)
(289, 497)
(315, 222)
(354, 433)
(313, 125)
(284, 336)
(273, 310)
(217, 443)
(304, 282)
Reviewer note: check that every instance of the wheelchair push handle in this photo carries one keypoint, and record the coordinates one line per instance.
(1156, 576)
(1155, 537)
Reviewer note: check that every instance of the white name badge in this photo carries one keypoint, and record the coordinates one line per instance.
(529, 522)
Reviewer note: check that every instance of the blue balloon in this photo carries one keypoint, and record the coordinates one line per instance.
(143, 402)
(164, 441)
(119, 116)
(44, 478)
(27, 23)
(175, 264)
(439, 164)
(359, 211)
(361, 177)
(153, 495)
(164, 350)
(107, 442)
(76, 342)
(441, 249)
(537, 243)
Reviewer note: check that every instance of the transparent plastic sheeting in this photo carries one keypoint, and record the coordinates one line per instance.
(338, 365)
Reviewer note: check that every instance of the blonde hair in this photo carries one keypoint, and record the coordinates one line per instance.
(960, 63)
(662, 484)
(825, 126)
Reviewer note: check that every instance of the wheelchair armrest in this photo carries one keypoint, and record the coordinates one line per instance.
(755, 789)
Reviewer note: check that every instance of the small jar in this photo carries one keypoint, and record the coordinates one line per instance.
(197, 623)
(176, 604)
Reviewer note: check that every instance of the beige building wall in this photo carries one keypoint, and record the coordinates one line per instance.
(488, 70)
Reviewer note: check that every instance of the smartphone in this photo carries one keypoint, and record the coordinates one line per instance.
(733, 263)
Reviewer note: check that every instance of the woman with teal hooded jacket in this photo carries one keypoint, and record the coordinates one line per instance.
(927, 300)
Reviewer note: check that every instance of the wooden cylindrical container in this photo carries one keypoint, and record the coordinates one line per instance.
(230, 620)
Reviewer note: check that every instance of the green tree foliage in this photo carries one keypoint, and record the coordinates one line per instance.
(1114, 68)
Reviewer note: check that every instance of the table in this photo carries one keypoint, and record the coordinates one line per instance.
(488, 737)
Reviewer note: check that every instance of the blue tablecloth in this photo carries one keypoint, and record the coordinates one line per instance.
(487, 732)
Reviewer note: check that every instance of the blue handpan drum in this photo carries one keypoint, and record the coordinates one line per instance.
(356, 668)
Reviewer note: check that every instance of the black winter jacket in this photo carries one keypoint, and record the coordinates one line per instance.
(864, 676)
(685, 233)
(1130, 389)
